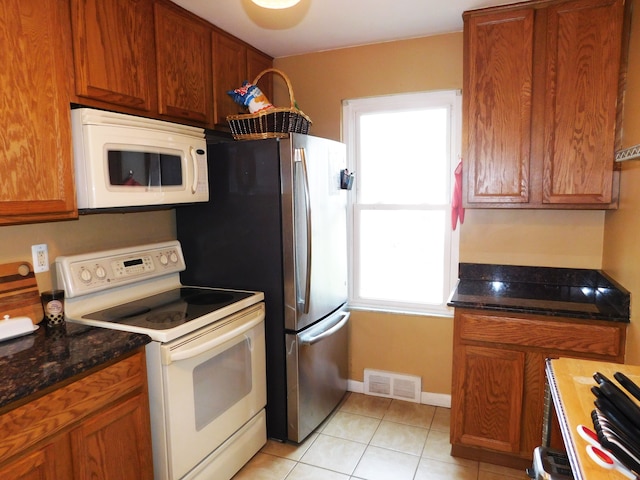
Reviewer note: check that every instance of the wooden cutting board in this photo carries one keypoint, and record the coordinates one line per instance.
(19, 295)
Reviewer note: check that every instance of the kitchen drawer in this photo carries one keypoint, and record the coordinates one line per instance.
(588, 337)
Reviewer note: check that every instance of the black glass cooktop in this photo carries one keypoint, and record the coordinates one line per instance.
(169, 309)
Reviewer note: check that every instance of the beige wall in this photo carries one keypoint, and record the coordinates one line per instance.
(621, 255)
(544, 238)
(322, 80)
(90, 232)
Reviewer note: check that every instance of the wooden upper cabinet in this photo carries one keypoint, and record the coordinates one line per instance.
(541, 93)
(256, 63)
(183, 56)
(36, 165)
(229, 72)
(153, 58)
(581, 93)
(114, 53)
(499, 66)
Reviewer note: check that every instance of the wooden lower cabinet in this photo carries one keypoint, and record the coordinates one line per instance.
(37, 465)
(95, 427)
(497, 401)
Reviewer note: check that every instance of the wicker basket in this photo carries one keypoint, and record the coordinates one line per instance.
(272, 123)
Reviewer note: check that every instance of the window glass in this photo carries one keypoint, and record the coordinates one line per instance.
(403, 150)
(403, 169)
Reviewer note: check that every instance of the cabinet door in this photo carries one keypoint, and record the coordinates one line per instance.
(114, 52)
(498, 61)
(256, 63)
(184, 66)
(36, 179)
(584, 41)
(487, 398)
(115, 443)
(229, 71)
(38, 465)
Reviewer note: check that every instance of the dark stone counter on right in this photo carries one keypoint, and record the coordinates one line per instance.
(564, 292)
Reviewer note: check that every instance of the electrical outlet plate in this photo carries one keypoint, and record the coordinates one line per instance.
(40, 256)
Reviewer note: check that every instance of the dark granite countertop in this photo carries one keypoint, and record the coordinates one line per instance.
(33, 362)
(565, 292)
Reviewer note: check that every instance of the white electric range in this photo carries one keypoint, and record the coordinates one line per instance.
(205, 365)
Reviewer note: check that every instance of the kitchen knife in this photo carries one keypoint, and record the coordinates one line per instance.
(627, 383)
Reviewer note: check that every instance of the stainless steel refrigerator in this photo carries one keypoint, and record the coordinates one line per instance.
(276, 222)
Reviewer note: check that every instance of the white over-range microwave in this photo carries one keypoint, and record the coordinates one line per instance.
(128, 161)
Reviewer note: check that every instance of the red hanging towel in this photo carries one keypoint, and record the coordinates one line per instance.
(457, 210)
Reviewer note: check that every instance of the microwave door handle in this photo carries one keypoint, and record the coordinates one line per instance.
(301, 161)
(194, 160)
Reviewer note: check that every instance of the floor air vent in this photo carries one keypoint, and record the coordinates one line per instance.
(392, 385)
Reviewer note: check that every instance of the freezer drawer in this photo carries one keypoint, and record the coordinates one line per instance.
(317, 371)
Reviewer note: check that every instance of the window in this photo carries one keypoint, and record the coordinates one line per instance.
(403, 150)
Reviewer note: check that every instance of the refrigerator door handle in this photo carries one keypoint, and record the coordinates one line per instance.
(311, 339)
(301, 160)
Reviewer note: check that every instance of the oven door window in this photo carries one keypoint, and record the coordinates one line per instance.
(147, 169)
(221, 382)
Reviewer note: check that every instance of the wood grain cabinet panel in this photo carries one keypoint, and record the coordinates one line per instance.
(489, 398)
(497, 395)
(38, 465)
(229, 71)
(542, 92)
(114, 52)
(581, 93)
(109, 435)
(183, 49)
(256, 63)
(36, 164)
(498, 103)
(95, 427)
(597, 339)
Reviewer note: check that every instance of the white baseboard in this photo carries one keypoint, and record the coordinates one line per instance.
(427, 398)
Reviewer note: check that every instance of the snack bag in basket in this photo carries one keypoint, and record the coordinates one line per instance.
(250, 96)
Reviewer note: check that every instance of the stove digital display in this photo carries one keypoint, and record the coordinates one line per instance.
(131, 263)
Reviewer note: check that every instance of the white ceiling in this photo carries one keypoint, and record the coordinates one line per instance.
(317, 25)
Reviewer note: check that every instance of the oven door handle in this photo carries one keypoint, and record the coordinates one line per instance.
(182, 353)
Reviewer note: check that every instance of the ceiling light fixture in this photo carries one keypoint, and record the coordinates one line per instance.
(276, 4)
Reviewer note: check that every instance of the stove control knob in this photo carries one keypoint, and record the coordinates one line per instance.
(101, 273)
(85, 275)
(174, 257)
(163, 259)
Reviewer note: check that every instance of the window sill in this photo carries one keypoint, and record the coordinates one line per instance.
(448, 313)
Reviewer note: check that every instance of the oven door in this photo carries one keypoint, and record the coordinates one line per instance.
(214, 382)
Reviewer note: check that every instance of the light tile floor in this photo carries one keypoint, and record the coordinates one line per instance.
(373, 438)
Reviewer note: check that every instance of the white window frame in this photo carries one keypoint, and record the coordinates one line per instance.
(351, 110)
